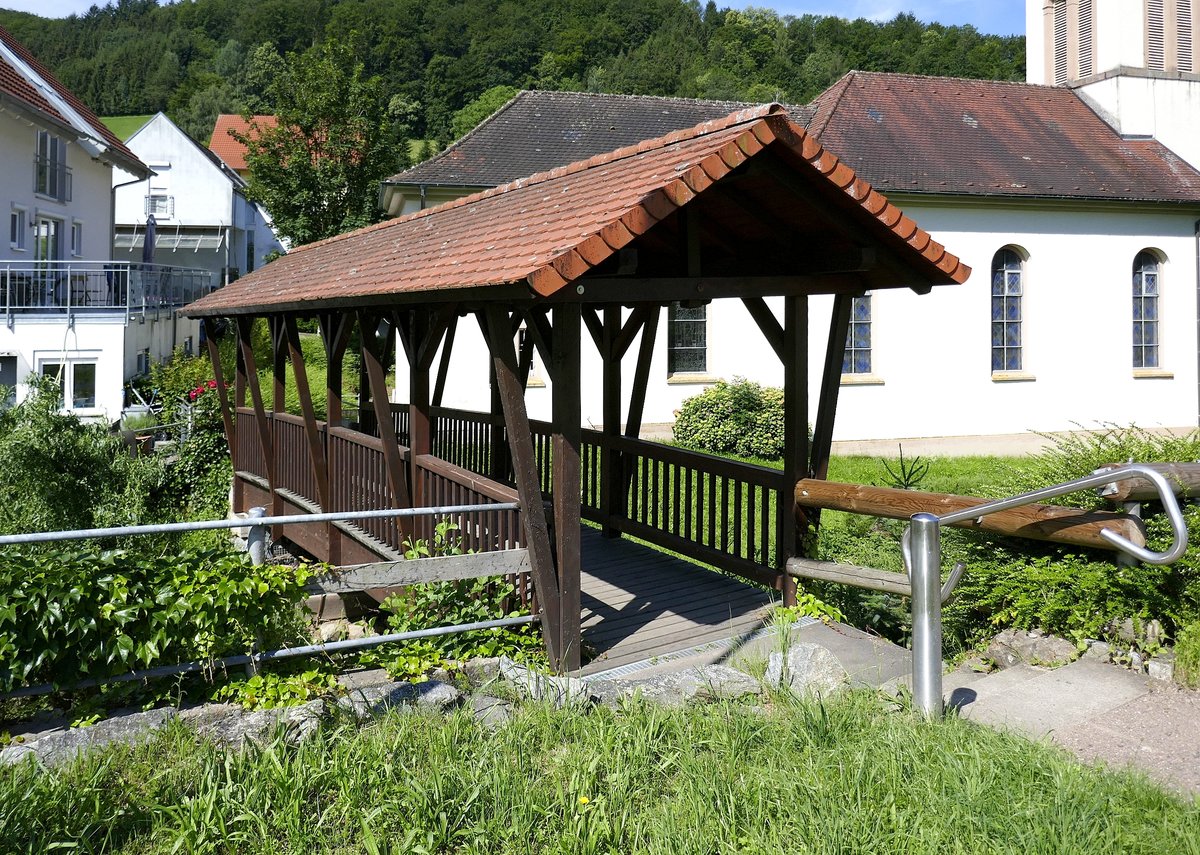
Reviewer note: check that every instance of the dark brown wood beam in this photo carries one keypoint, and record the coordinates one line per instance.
(789, 530)
(831, 384)
(672, 289)
(512, 399)
(335, 336)
(630, 329)
(594, 326)
(214, 355)
(421, 329)
(565, 478)
(278, 364)
(611, 467)
(265, 438)
(768, 324)
(374, 357)
(312, 431)
(439, 387)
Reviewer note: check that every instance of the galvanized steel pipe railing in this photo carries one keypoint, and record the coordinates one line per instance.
(922, 548)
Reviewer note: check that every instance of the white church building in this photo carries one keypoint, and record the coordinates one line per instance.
(1075, 198)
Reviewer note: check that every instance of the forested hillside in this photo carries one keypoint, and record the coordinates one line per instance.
(196, 58)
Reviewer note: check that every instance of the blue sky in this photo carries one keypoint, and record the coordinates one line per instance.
(1004, 17)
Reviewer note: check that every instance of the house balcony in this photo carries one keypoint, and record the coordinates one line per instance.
(86, 288)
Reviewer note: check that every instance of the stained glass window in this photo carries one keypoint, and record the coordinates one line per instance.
(1007, 291)
(687, 339)
(857, 359)
(1145, 311)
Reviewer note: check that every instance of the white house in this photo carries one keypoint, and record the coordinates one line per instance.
(203, 218)
(1081, 227)
(68, 309)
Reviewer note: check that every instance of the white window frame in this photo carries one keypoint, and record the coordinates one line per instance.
(1147, 355)
(77, 238)
(69, 366)
(51, 174)
(18, 227)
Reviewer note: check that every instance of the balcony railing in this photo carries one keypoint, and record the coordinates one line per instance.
(108, 287)
(52, 178)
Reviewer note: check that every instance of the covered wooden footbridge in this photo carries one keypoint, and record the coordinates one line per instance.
(746, 207)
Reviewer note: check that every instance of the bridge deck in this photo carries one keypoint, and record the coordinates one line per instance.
(639, 603)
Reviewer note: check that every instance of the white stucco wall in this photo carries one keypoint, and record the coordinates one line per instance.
(89, 204)
(931, 353)
(1167, 109)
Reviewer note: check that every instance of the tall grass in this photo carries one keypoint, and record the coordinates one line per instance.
(845, 775)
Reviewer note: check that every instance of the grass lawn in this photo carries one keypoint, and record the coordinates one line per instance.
(125, 126)
(844, 776)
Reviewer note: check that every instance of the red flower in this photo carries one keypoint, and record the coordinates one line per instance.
(212, 384)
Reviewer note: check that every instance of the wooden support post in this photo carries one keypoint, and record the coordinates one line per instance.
(250, 369)
(567, 415)
(795, 438)
(374, 357)
(612, 499)
(637, 395)
(312, 431)
(335, 335)
(512, 401)
(831, 383)
(497, 446)
(444, 363)
(214, 355)
(278, 398)
(420, 421)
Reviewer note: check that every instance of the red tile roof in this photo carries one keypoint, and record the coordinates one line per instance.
(547, 230)
(907, 133)
(14, 84)
(224, 146)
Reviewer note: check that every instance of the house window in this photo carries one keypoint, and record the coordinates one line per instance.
(687, 339)
(161, 205)
(857, 359)
(8, 381)
(16, 228)
(77, 382)
(143, 362)
(77, 239)
(51, 178)
(1145, 310)
(1007, 290)
(249, 253)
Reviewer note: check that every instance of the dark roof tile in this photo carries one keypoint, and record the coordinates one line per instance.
(954, 136)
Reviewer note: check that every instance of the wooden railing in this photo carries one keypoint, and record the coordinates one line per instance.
(722, 512)
(293, 461)
(359, 481)
(247, 452)
(718, 511)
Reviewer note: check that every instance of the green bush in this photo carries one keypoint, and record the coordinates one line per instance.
(67, 473)
(66, 616)
(1187, 656)
(741, 418)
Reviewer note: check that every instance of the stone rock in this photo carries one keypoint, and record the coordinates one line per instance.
(1154, 633)
(1162, 668)
(809, 668)
(333, 630)
(482, 670)
(61, 746)
(718, 683)
(364, 678)
(302, 722)
(359, 630)
(560, 691)
(1136, 660)
(1125, 630)
(1098, 651)
(1013, 646)
(436, 695)
(491, 712)
(373, 701)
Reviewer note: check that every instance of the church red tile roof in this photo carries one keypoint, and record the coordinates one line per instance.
(944, 135)
(14, 84)
(547, 230)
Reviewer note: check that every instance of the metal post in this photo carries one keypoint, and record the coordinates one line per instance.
(256, 542)
(926, 579)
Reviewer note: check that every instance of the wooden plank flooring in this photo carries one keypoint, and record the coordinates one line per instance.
(639, 603)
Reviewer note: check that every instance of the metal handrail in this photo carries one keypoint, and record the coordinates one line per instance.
(925, 576)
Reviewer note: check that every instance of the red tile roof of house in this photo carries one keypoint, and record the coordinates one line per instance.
(224, 146)
(907, 133)
(15, 85)
(546, 231)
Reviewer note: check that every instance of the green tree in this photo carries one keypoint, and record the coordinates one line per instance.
(317, 170)
(479, 109)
